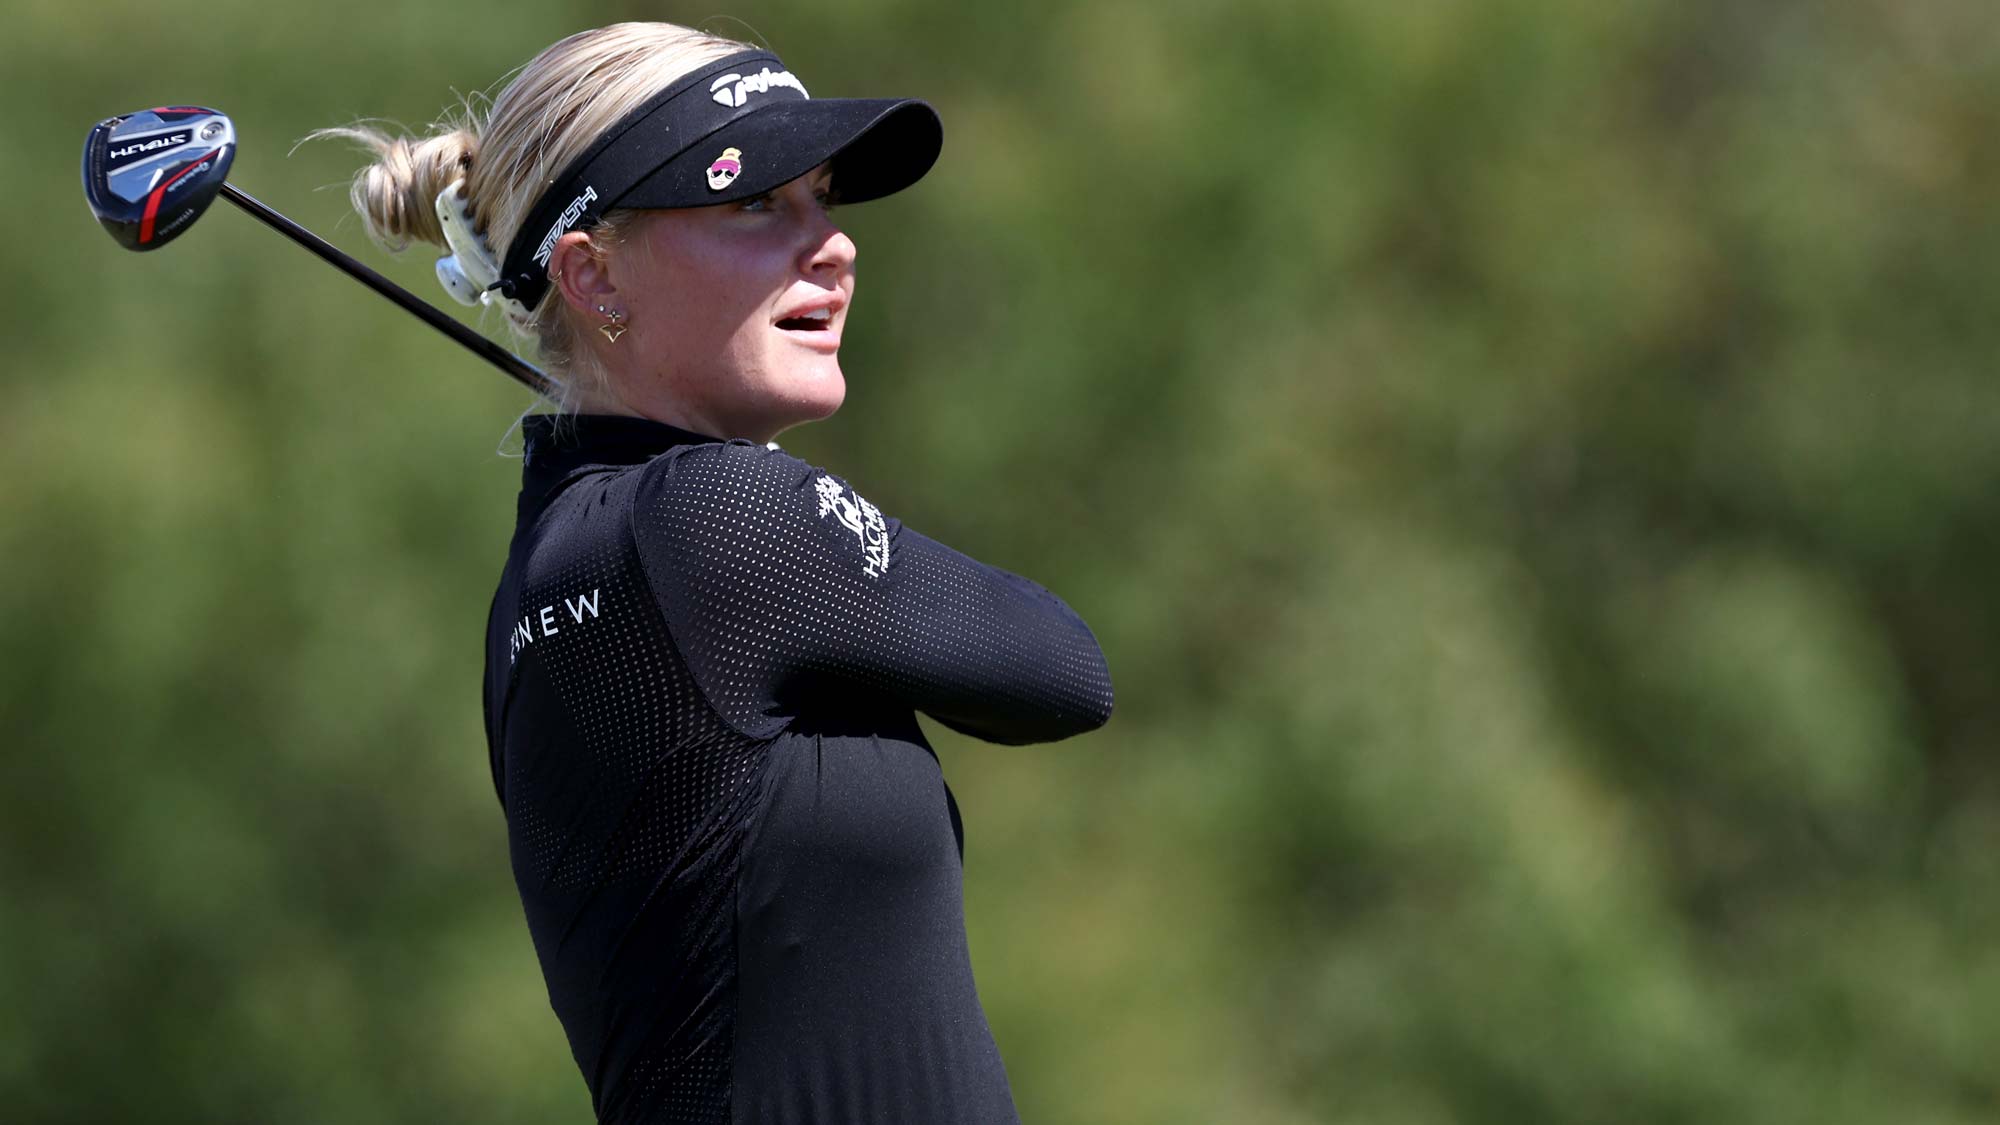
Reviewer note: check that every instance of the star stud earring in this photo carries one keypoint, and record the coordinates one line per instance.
(615, 329)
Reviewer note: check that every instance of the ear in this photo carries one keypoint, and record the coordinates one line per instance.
(582, 273)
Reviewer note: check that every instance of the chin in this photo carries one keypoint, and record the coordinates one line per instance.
(819, 393)
(811, 397)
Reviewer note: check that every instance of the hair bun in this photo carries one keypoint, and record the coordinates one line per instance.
(396, 196)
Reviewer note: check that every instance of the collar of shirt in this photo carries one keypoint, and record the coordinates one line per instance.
(558, 445)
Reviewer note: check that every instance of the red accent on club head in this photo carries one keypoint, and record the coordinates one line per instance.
(159, 193)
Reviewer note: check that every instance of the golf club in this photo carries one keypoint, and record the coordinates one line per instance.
(148, 175)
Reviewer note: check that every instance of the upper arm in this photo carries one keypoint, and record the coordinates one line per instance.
(779, 583)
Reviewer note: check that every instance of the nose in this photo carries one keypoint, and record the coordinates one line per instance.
(828, 249)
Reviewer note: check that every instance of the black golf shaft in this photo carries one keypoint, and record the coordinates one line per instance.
(505, 360)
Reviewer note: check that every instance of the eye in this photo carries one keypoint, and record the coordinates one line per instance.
(823, 196)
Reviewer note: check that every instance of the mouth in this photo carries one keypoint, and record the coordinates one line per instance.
(813, 325)
(812, 320)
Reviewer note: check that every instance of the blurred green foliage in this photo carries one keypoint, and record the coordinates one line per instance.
(1532, 466)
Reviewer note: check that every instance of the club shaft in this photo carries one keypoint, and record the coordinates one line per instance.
(500, 357)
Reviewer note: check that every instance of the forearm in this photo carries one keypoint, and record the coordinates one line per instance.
(989, 653)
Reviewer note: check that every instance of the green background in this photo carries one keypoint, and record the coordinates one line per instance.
(1531, 464)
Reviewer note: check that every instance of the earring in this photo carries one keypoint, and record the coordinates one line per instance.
(613, 330)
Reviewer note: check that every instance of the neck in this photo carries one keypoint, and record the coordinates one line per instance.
(678, 415)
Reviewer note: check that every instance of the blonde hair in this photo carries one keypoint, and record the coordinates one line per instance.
(560, 102)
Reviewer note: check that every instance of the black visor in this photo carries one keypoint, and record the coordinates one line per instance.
(732, 130)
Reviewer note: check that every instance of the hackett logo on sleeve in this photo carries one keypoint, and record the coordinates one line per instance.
(861, 518)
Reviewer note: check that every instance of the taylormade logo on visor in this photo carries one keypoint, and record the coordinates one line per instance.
(569, 216)
(733, 90)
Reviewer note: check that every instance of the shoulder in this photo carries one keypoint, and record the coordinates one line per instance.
(739, 484)
(757, 505)
(722, 480)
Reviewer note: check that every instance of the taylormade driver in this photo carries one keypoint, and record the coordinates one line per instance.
(149, 175)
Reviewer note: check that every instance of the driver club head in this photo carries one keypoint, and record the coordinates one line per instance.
(148, 175)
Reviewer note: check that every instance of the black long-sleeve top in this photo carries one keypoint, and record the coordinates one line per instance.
(739, 860)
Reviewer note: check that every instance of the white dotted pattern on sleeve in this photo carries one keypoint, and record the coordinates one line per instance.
(780, 599)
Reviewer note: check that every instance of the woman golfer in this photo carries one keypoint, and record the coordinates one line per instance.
(739, 860)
